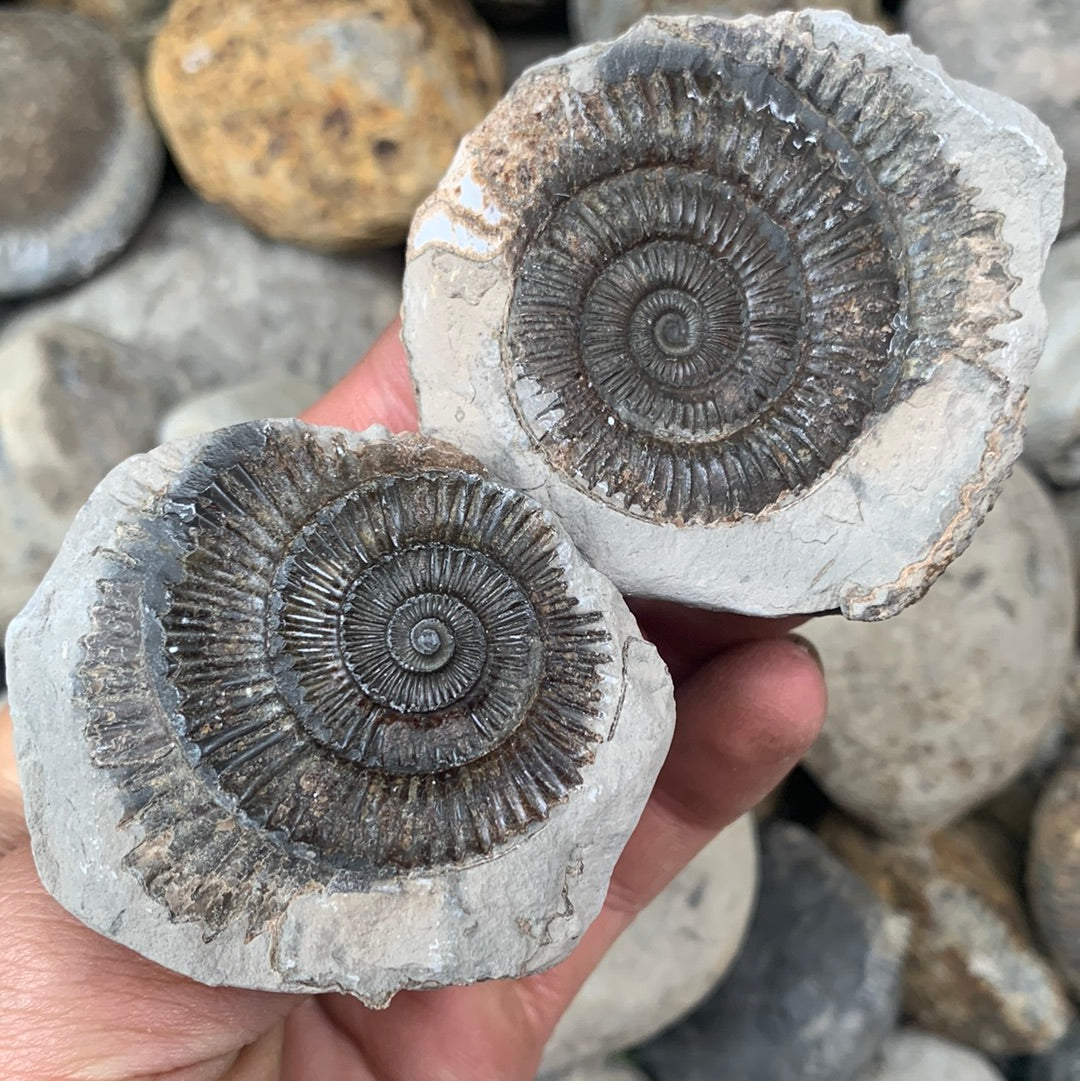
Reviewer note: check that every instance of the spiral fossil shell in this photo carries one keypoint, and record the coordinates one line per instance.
(708, 261)
(320, 662)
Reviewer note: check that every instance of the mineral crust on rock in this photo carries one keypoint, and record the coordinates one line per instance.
(751, 306)
(338, 712)
(80, 161)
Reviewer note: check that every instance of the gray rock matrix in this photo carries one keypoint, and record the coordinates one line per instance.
(80, 158)
(816, 988)
(1026, 49)
(505, 277)
(105, 666)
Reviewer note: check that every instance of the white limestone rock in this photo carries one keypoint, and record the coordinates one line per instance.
(207, 303)
(935, 711)
(670, 958)
(1053, 435)
(270, 397)
(910, 1055)
(647, 292)
(224, 671)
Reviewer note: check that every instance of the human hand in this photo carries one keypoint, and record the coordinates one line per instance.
(74, 1005)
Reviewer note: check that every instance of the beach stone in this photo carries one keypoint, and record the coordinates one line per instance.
(1026, 49)
(670, 957)
(598, 20)
(1053, 436)
(284, 397)
(206, 303)
(910, 1055)
(556, 331)
(603, 1070)
(80, 160)
(132, 22)
(973, 973)
(321, 122)
(1054, 869)
(940, 708)
(816, 987)
(1060, 1063)
(72, 405)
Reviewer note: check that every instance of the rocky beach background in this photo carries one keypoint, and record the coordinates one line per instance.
(202, 213)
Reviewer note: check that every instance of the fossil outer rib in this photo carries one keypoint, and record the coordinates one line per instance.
(315, 683)
(735, 295)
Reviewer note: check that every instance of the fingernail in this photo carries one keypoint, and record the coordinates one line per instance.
(809, 648)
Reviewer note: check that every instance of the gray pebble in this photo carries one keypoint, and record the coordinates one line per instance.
(80, 160)
(816, 988)
(910, 1055)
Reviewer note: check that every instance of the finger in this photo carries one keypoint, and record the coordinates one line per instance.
(743, 722)
(74, 1004)
(378, 390)
(12, 824)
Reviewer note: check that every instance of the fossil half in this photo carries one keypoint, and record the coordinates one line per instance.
(750, 305)
(303, 709)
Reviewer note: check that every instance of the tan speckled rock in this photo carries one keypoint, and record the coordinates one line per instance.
(598, 20)
(1054, 869)
(936, 710)
(973, 973)
(323, 123)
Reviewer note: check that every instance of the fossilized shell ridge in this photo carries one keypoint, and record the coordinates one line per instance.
(703, 287)
(319, 684)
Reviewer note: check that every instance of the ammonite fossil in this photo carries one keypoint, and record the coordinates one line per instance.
(741, 301)
(344, 708)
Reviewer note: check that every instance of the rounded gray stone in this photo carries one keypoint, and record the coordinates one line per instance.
(80, 159)
(306, 894)
(935, 711)
(1052, 444)
(72, 405)
(206, 303)
(1062, 1063)
(1025, 49)
(910, 1055)
(603, 1070)
(866, 531)
(816, 987)
(669, 958)
(598, 20)
(260, 398)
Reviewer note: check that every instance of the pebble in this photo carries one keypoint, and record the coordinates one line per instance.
(1052, 443)
(670, 958)
(71, 407)
(259, 399)
(816, 988)
(603, 1070)
(910, 1055)
(1054, 869)
(321, 122)
(80, 161)
(1060, 1063)
(598, 20)
(132, 22)
(206, 303)
(1026, 49)
(973, 973)
(939, 708)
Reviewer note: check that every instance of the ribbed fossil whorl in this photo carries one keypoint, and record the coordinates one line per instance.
(729, 250)
(373, 658)
(728, 269)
